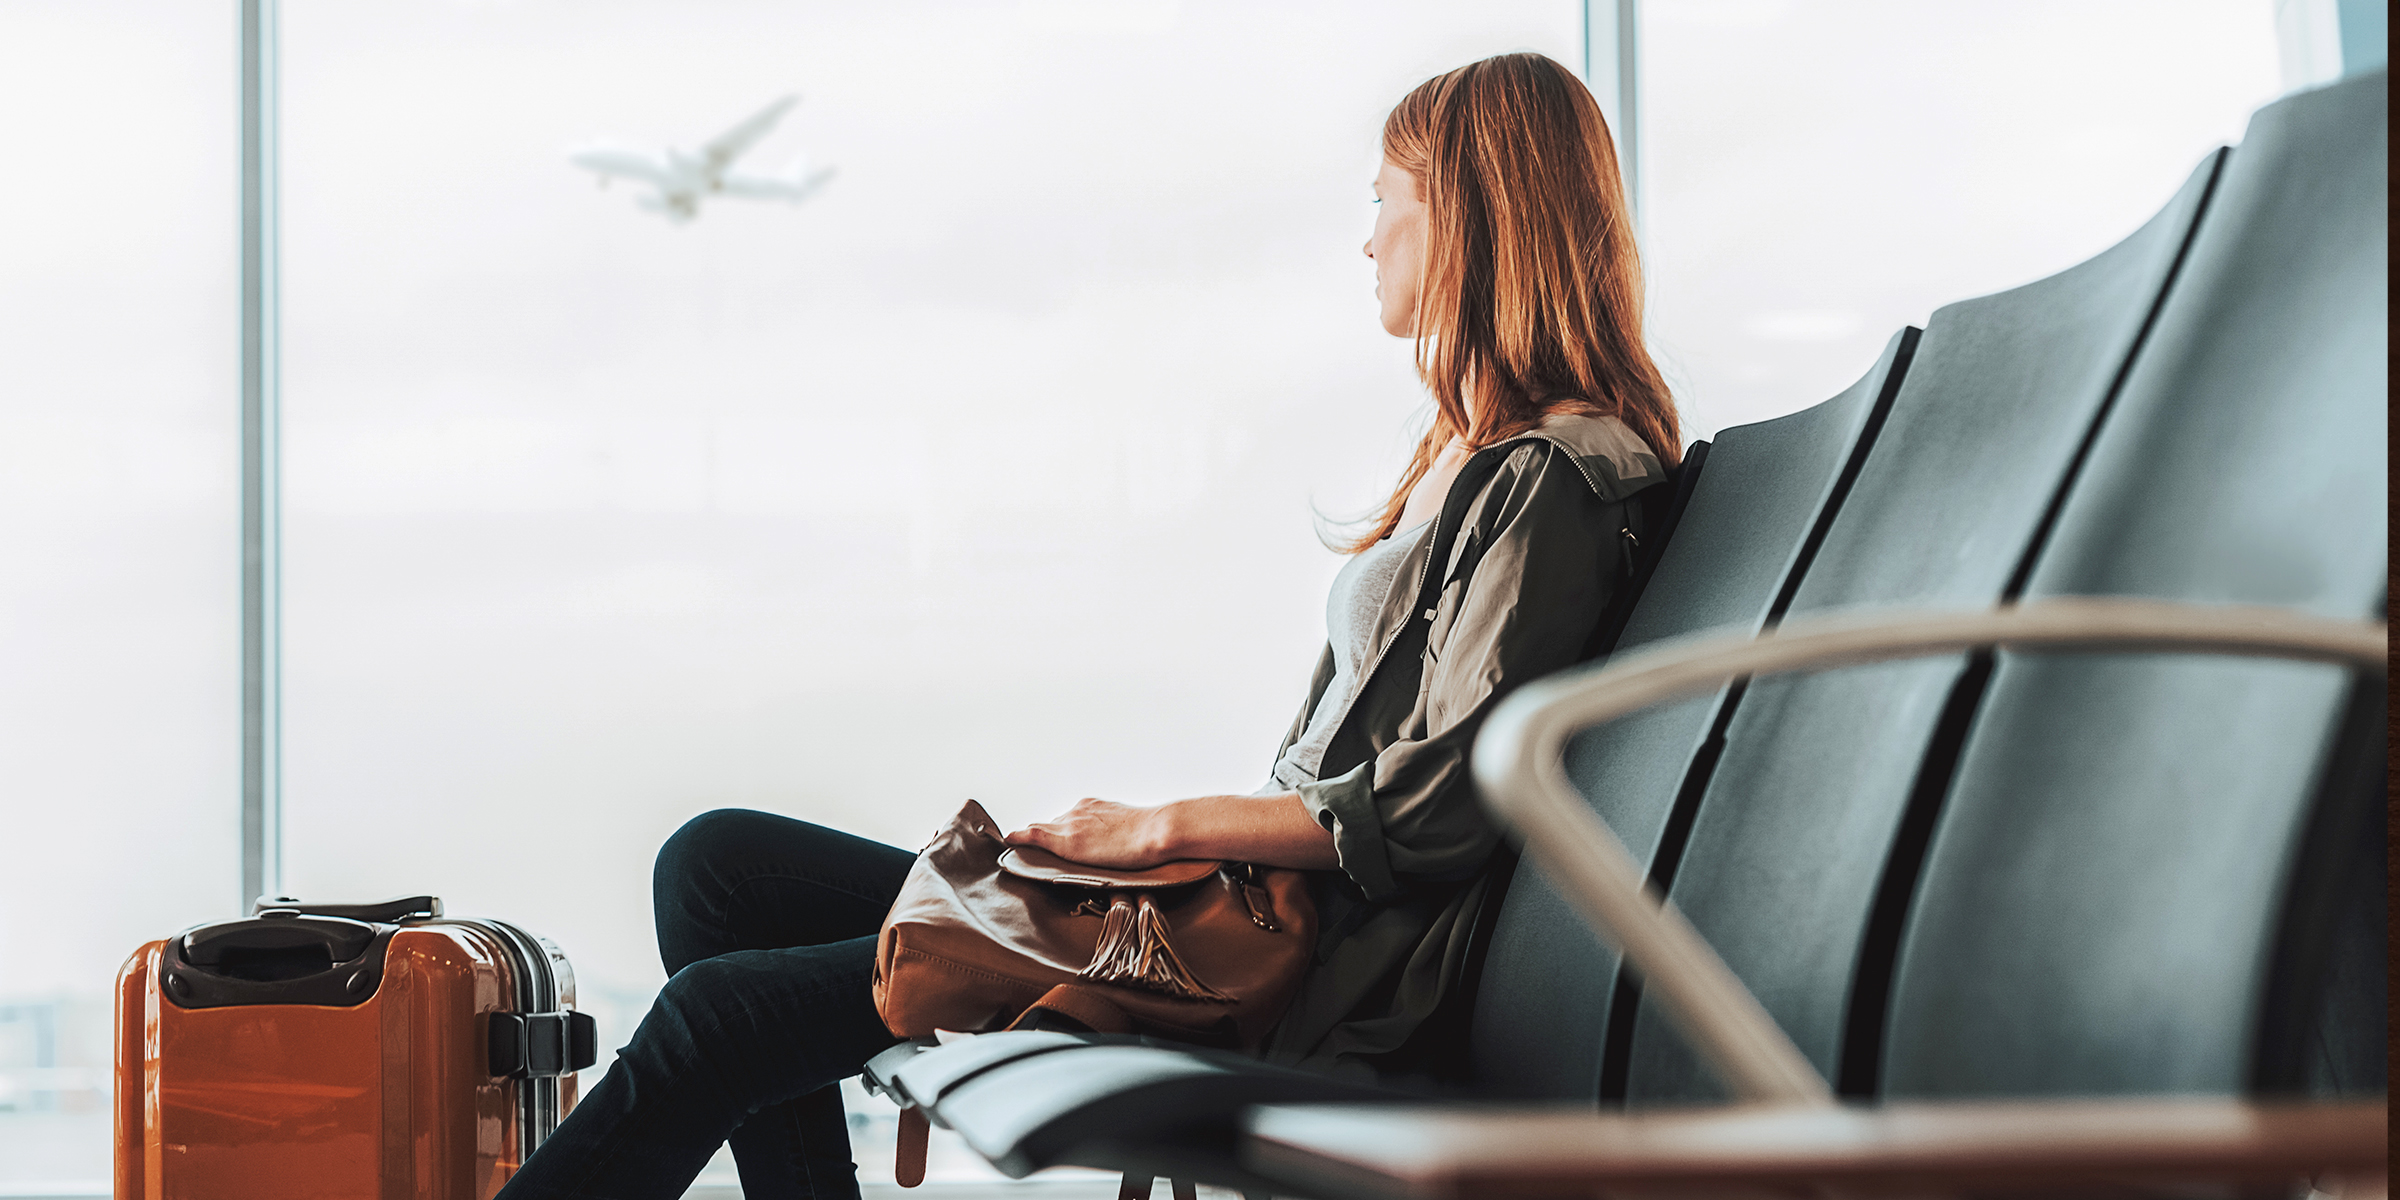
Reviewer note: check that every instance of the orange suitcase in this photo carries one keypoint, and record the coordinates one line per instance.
(336, 1051)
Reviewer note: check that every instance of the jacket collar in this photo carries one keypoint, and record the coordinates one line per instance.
(1612, 457)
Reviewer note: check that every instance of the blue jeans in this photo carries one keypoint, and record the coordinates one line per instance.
(767, 928)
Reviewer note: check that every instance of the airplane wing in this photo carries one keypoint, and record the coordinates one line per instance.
(795, 187)
(732, 143)
(627, 164)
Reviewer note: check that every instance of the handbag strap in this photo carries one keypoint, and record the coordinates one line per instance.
(908, 1155)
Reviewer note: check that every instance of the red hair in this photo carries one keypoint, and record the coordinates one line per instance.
(1531, 299)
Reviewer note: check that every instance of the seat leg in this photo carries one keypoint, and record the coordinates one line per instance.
(1134, 1187)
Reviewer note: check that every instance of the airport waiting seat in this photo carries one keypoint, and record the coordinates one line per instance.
(2078, 436)
(1795, 825)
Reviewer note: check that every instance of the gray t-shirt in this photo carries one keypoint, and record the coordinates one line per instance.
(1350, 612)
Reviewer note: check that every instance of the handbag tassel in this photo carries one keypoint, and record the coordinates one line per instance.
(1133, 950)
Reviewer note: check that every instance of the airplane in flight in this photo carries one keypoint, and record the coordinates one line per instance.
(682, 180)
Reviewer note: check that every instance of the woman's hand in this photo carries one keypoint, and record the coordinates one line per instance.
(1275, 831)
(1100, 833)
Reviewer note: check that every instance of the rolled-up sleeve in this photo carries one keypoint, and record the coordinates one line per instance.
(1545, 561)
(1345, 805)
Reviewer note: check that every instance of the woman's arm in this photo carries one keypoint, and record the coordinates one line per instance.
(1275, 831)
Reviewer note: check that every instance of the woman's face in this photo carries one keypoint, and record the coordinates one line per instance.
(1398, 248)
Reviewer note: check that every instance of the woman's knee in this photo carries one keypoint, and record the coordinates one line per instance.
(689, 881)
(736, 879)
(701, 865)
(705, 855)
(683, 857)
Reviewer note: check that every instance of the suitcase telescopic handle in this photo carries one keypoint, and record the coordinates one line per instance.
(382, 912)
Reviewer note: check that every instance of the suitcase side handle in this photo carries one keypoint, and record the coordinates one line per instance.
(381, 912)
(541, 1045)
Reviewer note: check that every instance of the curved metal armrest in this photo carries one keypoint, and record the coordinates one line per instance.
(1519, 767)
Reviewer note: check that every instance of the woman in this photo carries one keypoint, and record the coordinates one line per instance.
(1502, 246)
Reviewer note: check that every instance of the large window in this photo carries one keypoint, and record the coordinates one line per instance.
(991, 470)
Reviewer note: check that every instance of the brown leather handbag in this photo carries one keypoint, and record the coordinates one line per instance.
(986, 936)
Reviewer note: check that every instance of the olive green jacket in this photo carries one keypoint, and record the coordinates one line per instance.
(1534, 529)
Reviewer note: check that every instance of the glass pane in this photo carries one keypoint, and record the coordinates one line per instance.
(986, 472)
(120, 682)
(1818, 175)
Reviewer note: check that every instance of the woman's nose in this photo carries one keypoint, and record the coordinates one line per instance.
(1369, 248)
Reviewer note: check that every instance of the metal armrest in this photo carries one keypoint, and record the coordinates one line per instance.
(1519, 766)
(2105, 1147)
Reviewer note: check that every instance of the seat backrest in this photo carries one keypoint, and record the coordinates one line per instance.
(2134, 884)
(1790, 838)
(1747, 527)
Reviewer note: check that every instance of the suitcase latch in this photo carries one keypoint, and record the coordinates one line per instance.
(543, 1045)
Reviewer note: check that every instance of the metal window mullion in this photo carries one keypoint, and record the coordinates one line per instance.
(1629, 103)
(1612, 67)
(262, 810)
